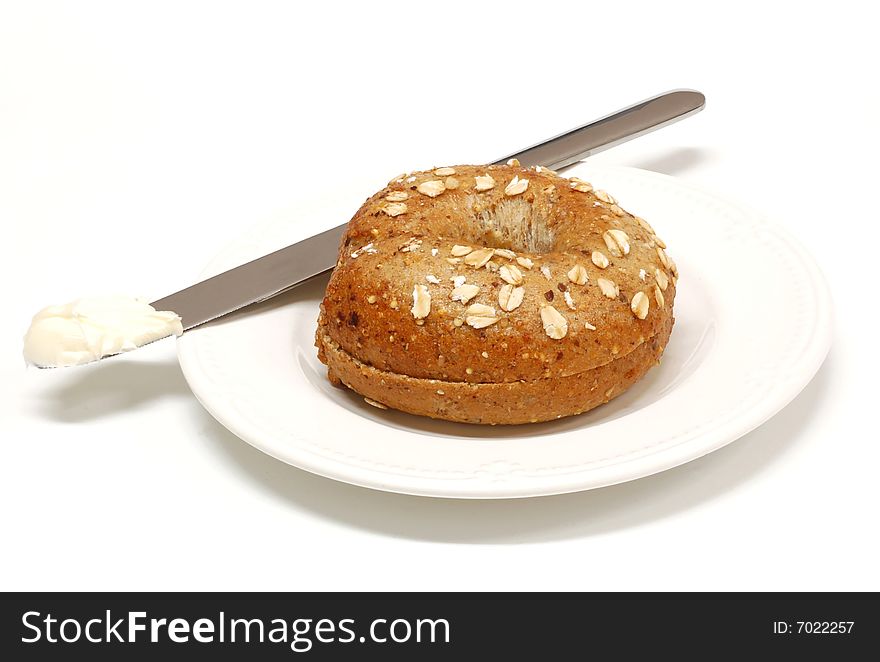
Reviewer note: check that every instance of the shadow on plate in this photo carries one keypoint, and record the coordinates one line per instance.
(676, 161)
(527, 520)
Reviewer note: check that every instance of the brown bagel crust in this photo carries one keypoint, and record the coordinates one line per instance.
(499, 403)
(403, 237)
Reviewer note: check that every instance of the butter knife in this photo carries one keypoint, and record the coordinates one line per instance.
(288, 267)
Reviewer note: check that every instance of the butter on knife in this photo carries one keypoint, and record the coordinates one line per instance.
(89, 329)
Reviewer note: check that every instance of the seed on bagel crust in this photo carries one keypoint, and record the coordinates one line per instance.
(443, 172)
(578, 275)
(642, 274)
(367, 248)
(659, 241)
(608, 288)
(568, 300)
(431, 278)
(513, 162)
(664, 259)
(504, 252)
(516, 186)
(525, 262)
(397, 196)
(555, 325)
(373, 403)
(465, 292)
(453, 260)
(645, 225)
(617, 242)
(479, 316)
(640, 305)
(421, 302)
(545, 270)
(604, 197)
(394, 208)
(484, 183)
(459, 251)
(599, 259)
(617, 211)
(589, 326)
(458, 281)
(432, 188)
(580, 185)
(658, 296)
(510, 274)
(661, 278)
(480, 309)
(451, 183)
(411, 245)
(510, 297)
(491, 266)
(479, 257)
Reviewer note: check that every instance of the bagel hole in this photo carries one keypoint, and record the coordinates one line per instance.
(515, 224)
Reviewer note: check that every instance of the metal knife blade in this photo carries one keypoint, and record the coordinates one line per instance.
(288, 267)
(256, 280)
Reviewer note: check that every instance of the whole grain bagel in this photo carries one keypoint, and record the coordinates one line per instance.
(495, 294)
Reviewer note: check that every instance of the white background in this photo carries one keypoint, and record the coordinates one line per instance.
(137, 139)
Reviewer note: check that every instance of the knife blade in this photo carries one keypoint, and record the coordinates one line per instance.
(281, 270)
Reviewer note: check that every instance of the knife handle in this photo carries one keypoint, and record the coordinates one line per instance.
(631, 122)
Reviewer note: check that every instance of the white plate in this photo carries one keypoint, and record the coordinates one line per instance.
(752, 328)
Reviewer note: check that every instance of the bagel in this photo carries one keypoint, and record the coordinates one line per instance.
(495, 294)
